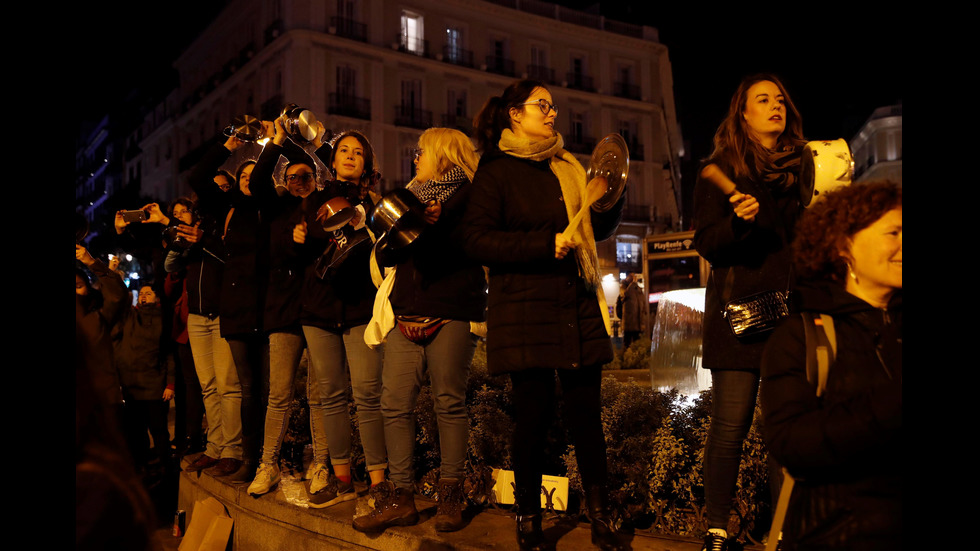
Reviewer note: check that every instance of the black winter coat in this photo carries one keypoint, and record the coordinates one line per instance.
(752, 256)
(285, 267)
(205, 260)
(845, 448)
(540, 313)
(346, 298)
(437, 279)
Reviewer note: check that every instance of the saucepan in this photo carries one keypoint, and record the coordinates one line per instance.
(400, 216)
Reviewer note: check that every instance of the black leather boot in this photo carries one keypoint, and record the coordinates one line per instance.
(603, 531)
(529, 534)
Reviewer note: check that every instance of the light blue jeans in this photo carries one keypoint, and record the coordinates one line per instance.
(285, 350)
(446, 361)
(219, 386)
(330, 416)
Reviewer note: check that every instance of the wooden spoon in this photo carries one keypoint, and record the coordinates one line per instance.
(594, 191)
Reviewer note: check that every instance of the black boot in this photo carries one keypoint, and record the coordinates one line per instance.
(603, 531)
(529, 534)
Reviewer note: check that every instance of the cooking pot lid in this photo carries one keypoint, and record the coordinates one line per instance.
(611, 159)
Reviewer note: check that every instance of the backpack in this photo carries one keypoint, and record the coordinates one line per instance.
(821, 350)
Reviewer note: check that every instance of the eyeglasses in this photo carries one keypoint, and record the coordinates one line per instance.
(418, 153)
(545, 105)
(305, 177)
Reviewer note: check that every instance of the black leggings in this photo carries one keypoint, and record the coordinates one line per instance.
(534, 406)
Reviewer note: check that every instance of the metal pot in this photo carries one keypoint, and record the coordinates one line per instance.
(300, 123)
(400, 216)
(333, 214)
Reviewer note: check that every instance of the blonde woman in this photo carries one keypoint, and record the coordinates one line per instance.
(437, 292)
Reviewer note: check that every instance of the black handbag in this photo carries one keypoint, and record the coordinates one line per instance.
(754, 314)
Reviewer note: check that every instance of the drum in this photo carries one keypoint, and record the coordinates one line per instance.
(826, 166)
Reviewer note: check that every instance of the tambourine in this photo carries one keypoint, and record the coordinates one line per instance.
(826, 166)
(300, 123)
(610, 159)
(246, 128)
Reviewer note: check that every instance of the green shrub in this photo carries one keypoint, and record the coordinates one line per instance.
(655, 449)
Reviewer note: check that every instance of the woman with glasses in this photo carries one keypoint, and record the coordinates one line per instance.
(436, 293)
(546, 313)
(281, 319)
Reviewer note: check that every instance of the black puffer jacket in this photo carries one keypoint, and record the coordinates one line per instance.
(746, 258)
(845, 447)
(540, 313)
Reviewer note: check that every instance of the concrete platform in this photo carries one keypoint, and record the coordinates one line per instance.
(283, 520)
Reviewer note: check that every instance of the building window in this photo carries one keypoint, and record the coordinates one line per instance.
(454, 45)
(628, 253)
(346, 81)
(413, 33)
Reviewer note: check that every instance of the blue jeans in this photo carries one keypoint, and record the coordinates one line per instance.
(330, 416)
(220, 388)
(446, 359)
(285, 349)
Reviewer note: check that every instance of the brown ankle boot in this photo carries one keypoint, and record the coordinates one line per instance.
(449, 515)
(393, 507)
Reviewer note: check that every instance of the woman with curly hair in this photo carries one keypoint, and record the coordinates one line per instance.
(841, 446)
(746, 203)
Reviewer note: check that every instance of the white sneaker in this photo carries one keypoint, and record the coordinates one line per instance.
(319, 478)
(266, 478)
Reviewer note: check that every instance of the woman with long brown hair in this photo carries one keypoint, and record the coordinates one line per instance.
(746, 204)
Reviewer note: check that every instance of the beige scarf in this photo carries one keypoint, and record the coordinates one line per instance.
(571, 176)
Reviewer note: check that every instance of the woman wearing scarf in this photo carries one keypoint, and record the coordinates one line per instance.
(746, 204)
(436, 293)
(546, 314)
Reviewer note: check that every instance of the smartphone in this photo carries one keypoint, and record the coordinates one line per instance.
(131, 216)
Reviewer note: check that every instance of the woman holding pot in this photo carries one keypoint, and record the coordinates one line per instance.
(437, 292)
(338, 297)
(546, 313)
(745, 235)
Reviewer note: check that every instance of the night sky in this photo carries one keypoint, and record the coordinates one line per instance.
(838, 64)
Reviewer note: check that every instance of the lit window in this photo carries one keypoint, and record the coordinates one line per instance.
(412, 32)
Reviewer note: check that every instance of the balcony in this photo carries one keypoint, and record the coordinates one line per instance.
(347, 105)
(580, 144)
(626, 90)
(500, 65)
(457, 56)
(463, 123)
(541, 73)
(411, 45)
(413, 117)
(348, 28)
(578, 81)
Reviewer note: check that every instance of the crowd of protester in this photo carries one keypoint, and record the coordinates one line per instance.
(253, 270)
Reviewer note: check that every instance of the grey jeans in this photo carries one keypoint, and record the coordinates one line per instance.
(446, 361)
(330, 416)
